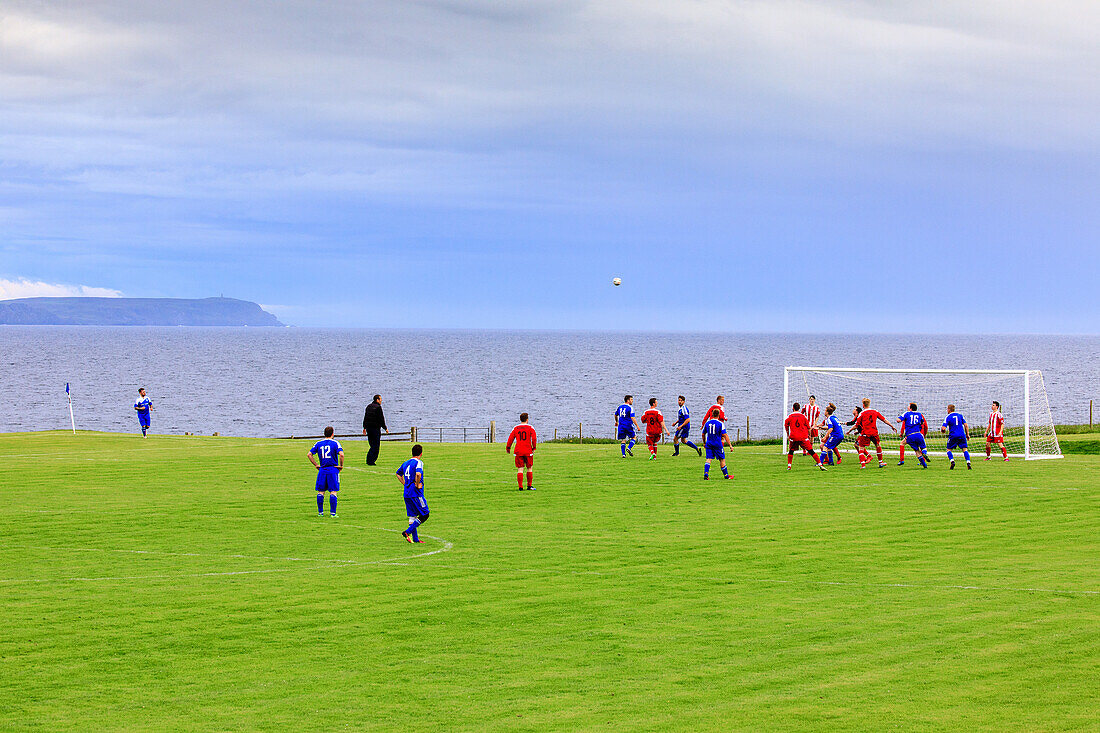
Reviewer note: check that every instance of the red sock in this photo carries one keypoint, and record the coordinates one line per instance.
(879, 451)
(901, 452)
(987, 450)
(1004, 451)
(519, 479)
(530, 478)
(788, 460)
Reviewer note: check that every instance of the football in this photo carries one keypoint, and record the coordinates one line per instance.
(617, 281)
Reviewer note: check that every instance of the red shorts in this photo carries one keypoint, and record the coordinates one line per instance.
(865, 440)
(994, 439)
(813, 433)
(651, 439)
(804, 444)
(527, 461)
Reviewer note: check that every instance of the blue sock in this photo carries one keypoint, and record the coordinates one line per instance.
(950, 456)
(676, 449)
(692, 445)
(706, 469)
(966, 455)
(320, 503)
(622, 448)
(630, 445)
(725, 471)
(413, 524)
(923, 461)
(332, 502)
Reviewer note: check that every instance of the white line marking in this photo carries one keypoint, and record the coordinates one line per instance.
(446, 546)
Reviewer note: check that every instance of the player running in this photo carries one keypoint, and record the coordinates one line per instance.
(523, 435)
(654, 427)
(329, 464)
(958, 435)
(682, 429)
(411, 475)
(832, 437)
(714, 436)
(866, 424)
(797, 428)
(813, 415)
(144, 406)
(915, 427)
(627, 423)
(995, 430)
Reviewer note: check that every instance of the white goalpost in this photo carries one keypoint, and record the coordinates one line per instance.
(1028, 426)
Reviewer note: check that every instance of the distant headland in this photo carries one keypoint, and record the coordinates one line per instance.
(134, 312)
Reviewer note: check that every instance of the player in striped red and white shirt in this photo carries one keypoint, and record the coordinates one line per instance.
(813, 416)
(995, 430)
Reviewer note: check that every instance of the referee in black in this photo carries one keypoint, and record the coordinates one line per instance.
(374, 422)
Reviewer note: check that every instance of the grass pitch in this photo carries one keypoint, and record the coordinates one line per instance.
(187, 584)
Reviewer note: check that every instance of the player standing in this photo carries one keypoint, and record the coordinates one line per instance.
(411, 475)
(144, 406)
(627, 423)
(329, 463)
(995, 431)
(654, 427)
(714, 436)
(813, 415)
(867, 427)
(832, 437)
(683, 428)
(523, 435)
(797, 428)
(719, 404)
(958, 435)
(915, 427)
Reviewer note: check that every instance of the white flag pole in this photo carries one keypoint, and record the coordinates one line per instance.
(72, 420)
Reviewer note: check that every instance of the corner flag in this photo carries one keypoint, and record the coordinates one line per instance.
(72, 421)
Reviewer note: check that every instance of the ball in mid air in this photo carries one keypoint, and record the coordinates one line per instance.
(617, 281)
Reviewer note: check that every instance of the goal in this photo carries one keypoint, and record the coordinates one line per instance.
(1028, 432)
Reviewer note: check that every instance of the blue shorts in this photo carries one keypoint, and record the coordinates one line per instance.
(959, 442)
(627, 432)
(713, 452)
(143, 419)
(328, 479)
(416, 506)
(916, 441)
(683, 431)
(834, 441)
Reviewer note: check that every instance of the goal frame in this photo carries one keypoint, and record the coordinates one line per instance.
(1024, 374)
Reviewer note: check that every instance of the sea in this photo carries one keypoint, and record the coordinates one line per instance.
(280, 382)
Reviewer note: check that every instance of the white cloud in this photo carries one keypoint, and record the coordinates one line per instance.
(24, 288)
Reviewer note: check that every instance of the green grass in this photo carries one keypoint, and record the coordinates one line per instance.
(187, 584)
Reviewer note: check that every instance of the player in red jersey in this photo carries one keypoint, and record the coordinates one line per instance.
(523, 435)
(719, 404)
(867, 427)
(797, 428)
(813, 415)
(995, 430)
(654, 427)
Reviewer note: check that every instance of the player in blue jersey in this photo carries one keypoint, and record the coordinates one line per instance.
(144, 406)
(411, 476)
(915, 427)
(627, 425)
(329, 462)
(714, 437)
(831, 437)
(683, 429)
(958, 435)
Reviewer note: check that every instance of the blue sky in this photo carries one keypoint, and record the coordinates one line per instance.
(793, 166)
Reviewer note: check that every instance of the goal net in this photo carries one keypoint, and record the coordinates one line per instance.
(1028, 426)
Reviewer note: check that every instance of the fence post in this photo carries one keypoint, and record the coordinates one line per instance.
(412, 434)
(555, 433)
(1090, 413)
(463, 435)
(738, 435)
(441, 435)
(492, 431)
(746, 427)
(580, 431)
